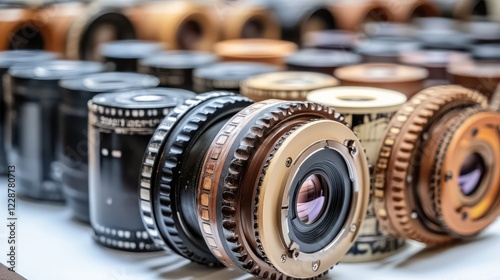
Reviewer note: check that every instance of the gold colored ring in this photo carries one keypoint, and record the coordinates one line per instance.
(285, 85)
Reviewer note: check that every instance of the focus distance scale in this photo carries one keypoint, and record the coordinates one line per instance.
(303, 168)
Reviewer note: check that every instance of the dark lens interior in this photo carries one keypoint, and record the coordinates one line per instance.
(189, 35)
(26, 38)
(471, 174)
(253, 28)
(311, 198)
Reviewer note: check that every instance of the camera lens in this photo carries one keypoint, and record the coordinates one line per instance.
(436, 62)
(249, 21)
(256, 177)
(255, 50)
(483, 32)
(17, 29)
(285, 85)
(182, 25)
(170, 172)
(299, 18)
(334, 39)
(481, 76)
(486, 53)
(175, 68)
(73, 136)
(34, 123)
(406, 79)
(386, 50)
(408, 10)
(445, 39)
(321, 61)
(228, 75)
(54, 21)
(120, 126)
(444, 143)
(367, 111)
(352, 15)
(96, 25)
(8, 59)
(123, 56)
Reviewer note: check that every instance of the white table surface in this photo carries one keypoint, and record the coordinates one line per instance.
(52, 245)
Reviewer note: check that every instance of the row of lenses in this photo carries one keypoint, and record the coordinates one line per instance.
(207, 156)
(75, 29)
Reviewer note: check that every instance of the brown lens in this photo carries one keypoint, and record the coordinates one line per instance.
(247, 21)
(476, 75)
(437, 176)
(406, 79)
(275, 197)
(285, 85)
(255, 50)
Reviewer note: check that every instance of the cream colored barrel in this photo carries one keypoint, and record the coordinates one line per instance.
(368, 111)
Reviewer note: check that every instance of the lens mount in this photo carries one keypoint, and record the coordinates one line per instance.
(170, 172)
(402, 201)
(467, 199)
(243, 186)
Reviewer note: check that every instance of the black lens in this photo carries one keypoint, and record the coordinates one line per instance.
(228, 75)
(8, 59)
(124, 56)
(175, 68)
(171, 168)
(34, 123)
(73, 136)
(106, 25)
(321, 61)
(321, 194)
(121, 125)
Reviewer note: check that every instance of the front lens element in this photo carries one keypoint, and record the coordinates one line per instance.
(311, 198)
(471, 174)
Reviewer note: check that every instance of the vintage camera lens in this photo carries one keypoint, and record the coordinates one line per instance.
(170, 172)
(297, 18)
(437, 178)
(285, 85)
(436, 62)
(17, 30)
(258, 208)
(54, 21)
(228, 75)
(408, 10)
(73, 135)
(445, 39)
(34, 123)
(351, 15)
(183, 25)
(477, 75)
(249, 21)
(321, 61)
(8, 59)
(406, 79)
(124, 56)
(331, 39)
(367, 111)
(486, 53)
(483, 32)
(175, 68)
(386, 50)
(456, 9)
(120, 127)
(255, 50)
(383, 30)
(96, 25)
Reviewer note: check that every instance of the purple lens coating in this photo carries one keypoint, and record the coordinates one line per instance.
(471, 174)
(311, 199)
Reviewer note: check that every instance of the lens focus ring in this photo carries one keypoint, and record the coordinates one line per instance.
(160, 190)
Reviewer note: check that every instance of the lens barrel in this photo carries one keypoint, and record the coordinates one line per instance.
(35, 123)
(367, 111)
(124, 56)
(120, 126)
(8, 59)
(228, 75)
(73, 136)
